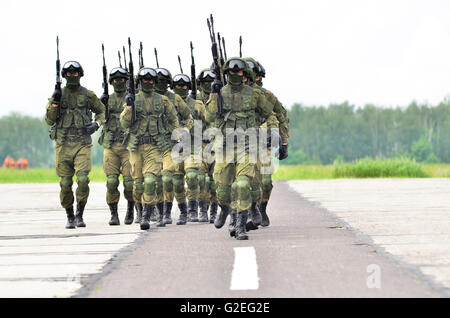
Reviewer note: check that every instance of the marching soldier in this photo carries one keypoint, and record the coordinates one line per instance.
(115, 155)
(149, 139)
(69, 112)
(241, 106)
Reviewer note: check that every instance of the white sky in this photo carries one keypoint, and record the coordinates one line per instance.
(314, 52)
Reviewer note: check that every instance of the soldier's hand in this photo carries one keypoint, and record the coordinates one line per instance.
(129, 100)
(216, 86)
(57, 94)
(283, 152)
(92, 127)
(104, 99)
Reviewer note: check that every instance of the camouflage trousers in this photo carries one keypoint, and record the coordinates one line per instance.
(116, 162)
(73, 158)
(146, 165)
(234, 181)
(262, 185)
(207, 186)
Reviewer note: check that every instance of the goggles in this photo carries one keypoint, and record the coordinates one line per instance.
(71, 64)
(236, 65)
(163, 72)
(181, 78)
(118, 71)
(147, 72)
(206, 74)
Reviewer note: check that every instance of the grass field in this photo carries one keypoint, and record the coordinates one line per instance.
(360, 169)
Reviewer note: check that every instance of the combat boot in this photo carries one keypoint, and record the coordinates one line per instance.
(222, 217)
(183, 214)
(138, 207)
(265, 218)
(213, 212)
(192, 211)
(154, 215)
(255, 214)
(114, 214)
(70, 218)
(79, 216)
(145, 219)
(167, 212)
(232, 224)
(129, 217)
(160, 220)
(250, 226)
(203, 216)
(240, 226)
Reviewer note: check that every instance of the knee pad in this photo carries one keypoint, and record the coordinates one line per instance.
(66, 184)
(83, 183)
(128, 184)
(201, 179)
(267, 183)
(150, 184)
(112, 183)
(178, 183)
(167, 181)
(224, 194)
(139, 184)
(192, 179)
(243, 187)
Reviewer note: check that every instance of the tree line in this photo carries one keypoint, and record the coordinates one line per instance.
(319, 135)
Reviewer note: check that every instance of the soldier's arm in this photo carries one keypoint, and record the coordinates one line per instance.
(187, 121)
(201, 110)
(282, 117)
(97, 107)
(125, 117)
(51, 113)
(211, 108)
(265, 109)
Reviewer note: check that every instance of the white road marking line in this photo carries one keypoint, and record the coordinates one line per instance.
(245, 269)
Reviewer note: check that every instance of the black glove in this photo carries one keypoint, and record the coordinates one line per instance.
(283, 152)
(57, 94)
(129, 99)
(216, 86)
(91, 127)
(104, 99)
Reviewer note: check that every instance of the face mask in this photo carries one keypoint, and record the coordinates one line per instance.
(181, 91)
(73, 82)
(161, 86)
(259, 82)
(235, 79)
(206, 87)
(119, 87)
(147, 87)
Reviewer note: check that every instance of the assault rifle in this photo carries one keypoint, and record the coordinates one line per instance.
(120, 59)
(193, 76)
(156, 57)
(240, 46)
(58, 93)
(181, 67)
(131, 86)
(125, 59)
(105, 86)
(217, 65)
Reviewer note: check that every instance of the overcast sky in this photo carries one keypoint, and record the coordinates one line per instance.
(314, 52)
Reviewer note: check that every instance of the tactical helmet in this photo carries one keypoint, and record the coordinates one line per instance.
(261, 71)
(181, 79)
(147, 73)
(235, 64)
(252, 69)
(164, 73)
(73, 66)
(117, 72)
(206, 75)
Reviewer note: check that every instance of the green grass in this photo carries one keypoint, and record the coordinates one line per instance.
(365, 168)
(388, 168)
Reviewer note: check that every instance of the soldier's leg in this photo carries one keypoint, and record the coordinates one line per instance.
(136, 162)
(212, 191)
(127, 183)
(266, 186)
(65, 170)
(224, 174)
(111, 167)
(82, 164)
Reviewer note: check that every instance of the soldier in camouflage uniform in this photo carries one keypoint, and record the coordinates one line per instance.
(72, 128)
(172, 175)
(149, 138)
(191, 166)
(255, 79)
(242, 105)
(206, 178)
(115, 155)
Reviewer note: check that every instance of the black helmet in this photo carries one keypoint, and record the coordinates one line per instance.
(73, 66)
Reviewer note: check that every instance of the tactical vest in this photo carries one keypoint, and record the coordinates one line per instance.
(75, 114)
(202, 97)
(112, 130)
(151, 126)
(171, 97)
(239, 109)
